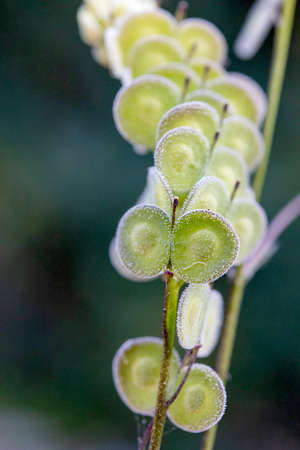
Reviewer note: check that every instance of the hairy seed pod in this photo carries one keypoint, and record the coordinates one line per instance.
(90, 30)
(204, 246)
(209, 193)
(229, 166)
(181, 155)
(241, 135)
(212, 98)
(203, 39)
(237, 95)
(197, 115)
(202, 401)
(151, 51)
(191, 313)
(249, 221)
(136, 370)
(206, 69)
(157, 192)
(212, 324)
(139, 107)
(179, 73)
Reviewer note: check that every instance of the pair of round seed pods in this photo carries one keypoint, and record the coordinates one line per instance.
(136, 368)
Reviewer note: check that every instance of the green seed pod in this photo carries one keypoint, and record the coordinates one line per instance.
(202, 401)
(229, 166)
(209, 193)
(204, 246)
(181, 155)
(139, 107)
(191, 313)
(151, 51)
(206, 69)
(135, 26)
(212, 98)
(241, 135)
(119, 266)
(203, 38)
(197, 115)
(237, 95)
(178, 73)
(143, 240)
(90, 30)
(212, 324)
(249, 222)
(157, 192)
(136, 370)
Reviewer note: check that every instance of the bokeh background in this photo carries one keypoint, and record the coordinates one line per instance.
(66, 177)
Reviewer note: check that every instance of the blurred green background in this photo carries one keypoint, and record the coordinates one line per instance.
(66, 177)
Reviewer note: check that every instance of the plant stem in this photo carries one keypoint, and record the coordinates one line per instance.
(279, 60)
(169, 325)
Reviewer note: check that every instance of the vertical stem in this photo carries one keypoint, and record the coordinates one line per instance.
(169, 325)
(279, 60)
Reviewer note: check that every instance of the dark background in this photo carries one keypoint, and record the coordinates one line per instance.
(66, 177)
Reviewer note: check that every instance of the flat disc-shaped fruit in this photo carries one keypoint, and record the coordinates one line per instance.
(212, 325)
(206, 69)
(209, 193)
(191, 313)
(204, 246)
(143, 240)
(139, 107)
(157, 191)
(197, 115)
(249, 221)
(201, 402)
(178, 73)
(212, 98)
(181, 155)
(136, 371)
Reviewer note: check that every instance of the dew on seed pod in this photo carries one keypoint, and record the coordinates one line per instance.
(209, 193)
(241, 135)
(202, 401)
(157, 192)
(249, 221)
(143, 240)
(139, 107)
(90, 30)
(178, 73)
(229, 166)
(257, 93)
(212, 98)
(119, 266)
(136, 370)
(181, 155)
(206, 38)
(206, 69)
(135, 26)
(151, 51)
(197, 115)
(204, 246)
(191, 313)
(239, 97)
(212, 325)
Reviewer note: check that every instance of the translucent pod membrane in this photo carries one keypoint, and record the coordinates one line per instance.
(135, 26)
(256, 91)
(237, 95)
(206, 69)
(152, 51)
(90, 30)
(230, 167)
(181, 155)
(204, 246)
(212, 98)
(143, 240)
(178, 73)
(241, 135)
(136, 370)
(202, 401)
(139, 107)
(249, 221)
(209, 193)
(157, 192)
(203, 39)
(212, 324)
(197, 115)
(118, 264)
(191, 313)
